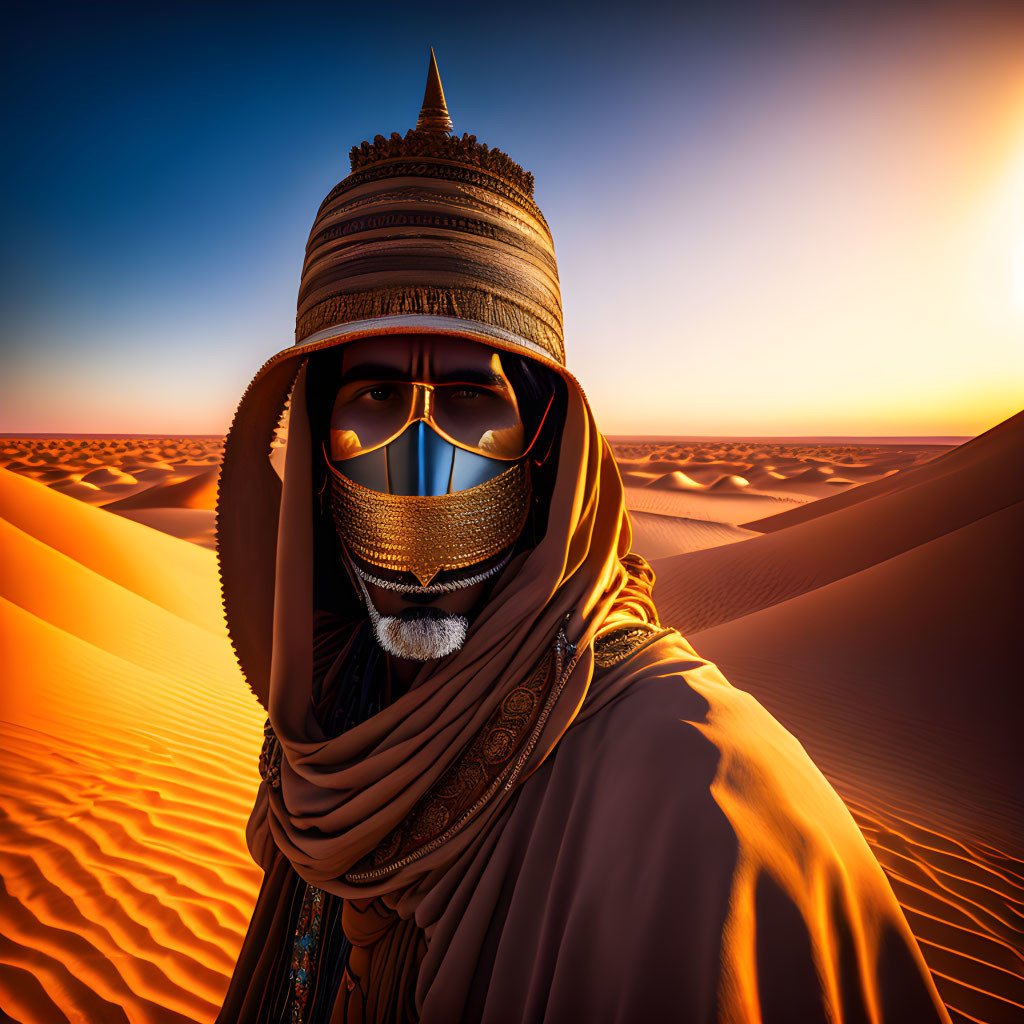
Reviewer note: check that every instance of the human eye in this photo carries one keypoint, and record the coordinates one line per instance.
(377, 393)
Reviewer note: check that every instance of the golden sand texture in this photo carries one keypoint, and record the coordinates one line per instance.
(169, 483)
(963, 901)
(128, 746)
(872, 621)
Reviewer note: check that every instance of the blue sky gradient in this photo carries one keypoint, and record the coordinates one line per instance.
(164, 166)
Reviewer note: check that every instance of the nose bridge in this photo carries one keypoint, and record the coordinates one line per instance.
(422, 401)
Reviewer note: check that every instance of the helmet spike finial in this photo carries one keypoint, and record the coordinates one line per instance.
(434, 113)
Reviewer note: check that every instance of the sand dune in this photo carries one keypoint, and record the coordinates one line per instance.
(181, 508)
(996, 444)
(835, 665)
(963, 901)
(871, 622)
(705, 588)
(102, 470)
(127, 770)
(806, 468)
(655, 536)
(197, 492)
(675, 481)
(731, 483)
(106, 477)
(198, 526)
(135, 557)
(921, 738)
(730, 507)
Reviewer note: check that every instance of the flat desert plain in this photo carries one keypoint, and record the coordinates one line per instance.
(868, 594)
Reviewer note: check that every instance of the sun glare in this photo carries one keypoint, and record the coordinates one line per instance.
(1014, 199)
(1018, 277)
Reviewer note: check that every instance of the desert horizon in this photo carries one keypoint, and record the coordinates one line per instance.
(169, 482)
(941, 439)
(816, 572)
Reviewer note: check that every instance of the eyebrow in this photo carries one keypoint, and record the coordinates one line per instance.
(379, 371)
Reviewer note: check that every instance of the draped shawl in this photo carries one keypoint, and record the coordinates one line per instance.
(636, 839)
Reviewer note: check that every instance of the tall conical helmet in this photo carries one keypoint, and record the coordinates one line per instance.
(432, 232)
(434, 112)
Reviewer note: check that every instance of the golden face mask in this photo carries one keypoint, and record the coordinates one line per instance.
(427, 534)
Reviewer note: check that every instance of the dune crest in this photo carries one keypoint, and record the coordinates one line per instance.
(180, 508)
(702, 589)
(132, 555)
(195, 492)
(995, 444)
(677, 480)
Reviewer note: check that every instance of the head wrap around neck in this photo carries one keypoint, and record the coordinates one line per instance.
(381, 813)
(339, 798)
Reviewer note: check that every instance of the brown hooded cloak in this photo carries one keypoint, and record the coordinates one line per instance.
(573, 817)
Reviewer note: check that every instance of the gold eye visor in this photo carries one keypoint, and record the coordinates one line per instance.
(479, 417)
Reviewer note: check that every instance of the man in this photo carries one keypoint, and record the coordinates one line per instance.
(495, 787)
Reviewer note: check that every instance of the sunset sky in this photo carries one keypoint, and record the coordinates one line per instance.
(764, 226)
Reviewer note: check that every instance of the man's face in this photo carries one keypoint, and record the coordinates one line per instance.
(460, 389)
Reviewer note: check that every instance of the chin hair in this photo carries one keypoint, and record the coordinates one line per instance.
(421, 639)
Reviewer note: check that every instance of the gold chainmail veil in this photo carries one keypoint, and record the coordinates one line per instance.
(424, 534)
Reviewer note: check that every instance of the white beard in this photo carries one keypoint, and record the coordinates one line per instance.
(419, 639)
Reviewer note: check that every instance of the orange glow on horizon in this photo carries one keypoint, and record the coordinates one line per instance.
(841, 253)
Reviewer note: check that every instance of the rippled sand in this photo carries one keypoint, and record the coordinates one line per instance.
(863, 593)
